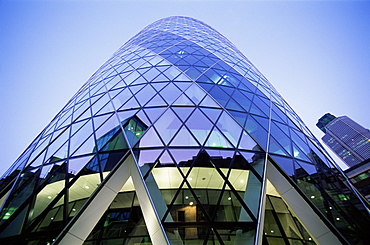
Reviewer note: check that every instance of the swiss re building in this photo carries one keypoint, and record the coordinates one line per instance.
(178, 139)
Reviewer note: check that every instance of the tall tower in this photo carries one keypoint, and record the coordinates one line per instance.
(178, 139)
(349, 140)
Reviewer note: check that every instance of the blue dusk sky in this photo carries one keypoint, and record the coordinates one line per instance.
(315, 53)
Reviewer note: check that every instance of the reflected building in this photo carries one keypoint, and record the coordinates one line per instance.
(346, 138)
(351, 142)
(178, 139)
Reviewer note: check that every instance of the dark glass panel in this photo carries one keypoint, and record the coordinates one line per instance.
(219, 95)
(239, 116)
(281, 137)
(233, 105)
(256, 130)
(242, 100)
(285, 163)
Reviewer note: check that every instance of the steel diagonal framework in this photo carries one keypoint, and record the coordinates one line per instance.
(178, 139)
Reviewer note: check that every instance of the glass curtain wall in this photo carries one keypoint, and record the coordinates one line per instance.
(201, 123)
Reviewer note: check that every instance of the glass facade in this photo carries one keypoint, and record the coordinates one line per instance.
(178, 139)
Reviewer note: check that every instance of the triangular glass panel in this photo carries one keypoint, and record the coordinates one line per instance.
(114, 140)
(141, 115)
(145, 94)
(113, 82)
(132, 77)
(209, 102)
(255, 110)
(150, 139)
(154, 113)
(159, 86)
(107, 108)
(228, 209)
(134, 129)
(195, 93)
(163, 68)
(212, 114)
(216, 139)
(156, 101)
(183, 112)
(218, 156)
(81, 108)
(257, 131)
(181, 199)
(276, 148)
(219, 95)
(63, 122)
(86, 114)
(160, 78)
(241, 117)
(76, 164)
(184, 157)
(147, 157)
(170, 93)
(300, 142)
(98, 121)
(199, 125)
(283, 138)
(233, 105)
(123, 115)
(246, 142)
(136, 88)
(167, 125)
(98, 89)
(60, 142)
(282, 127)
(172, 72)
(255, 160)
(229, 128)
(87, 147)
(309, 168)
(100, 102)
(183, 85)
(298, 153)
(285, 163)
(121, 98)
(183, 138)
(183, 100)
(182, 78)
(166, 160)
(151, 74)
(108, 125)
(61, 153)
(132, 103)
(109, 160)
(36, 161)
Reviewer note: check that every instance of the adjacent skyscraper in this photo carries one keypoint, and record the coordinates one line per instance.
(349, 140)
(178, 139)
